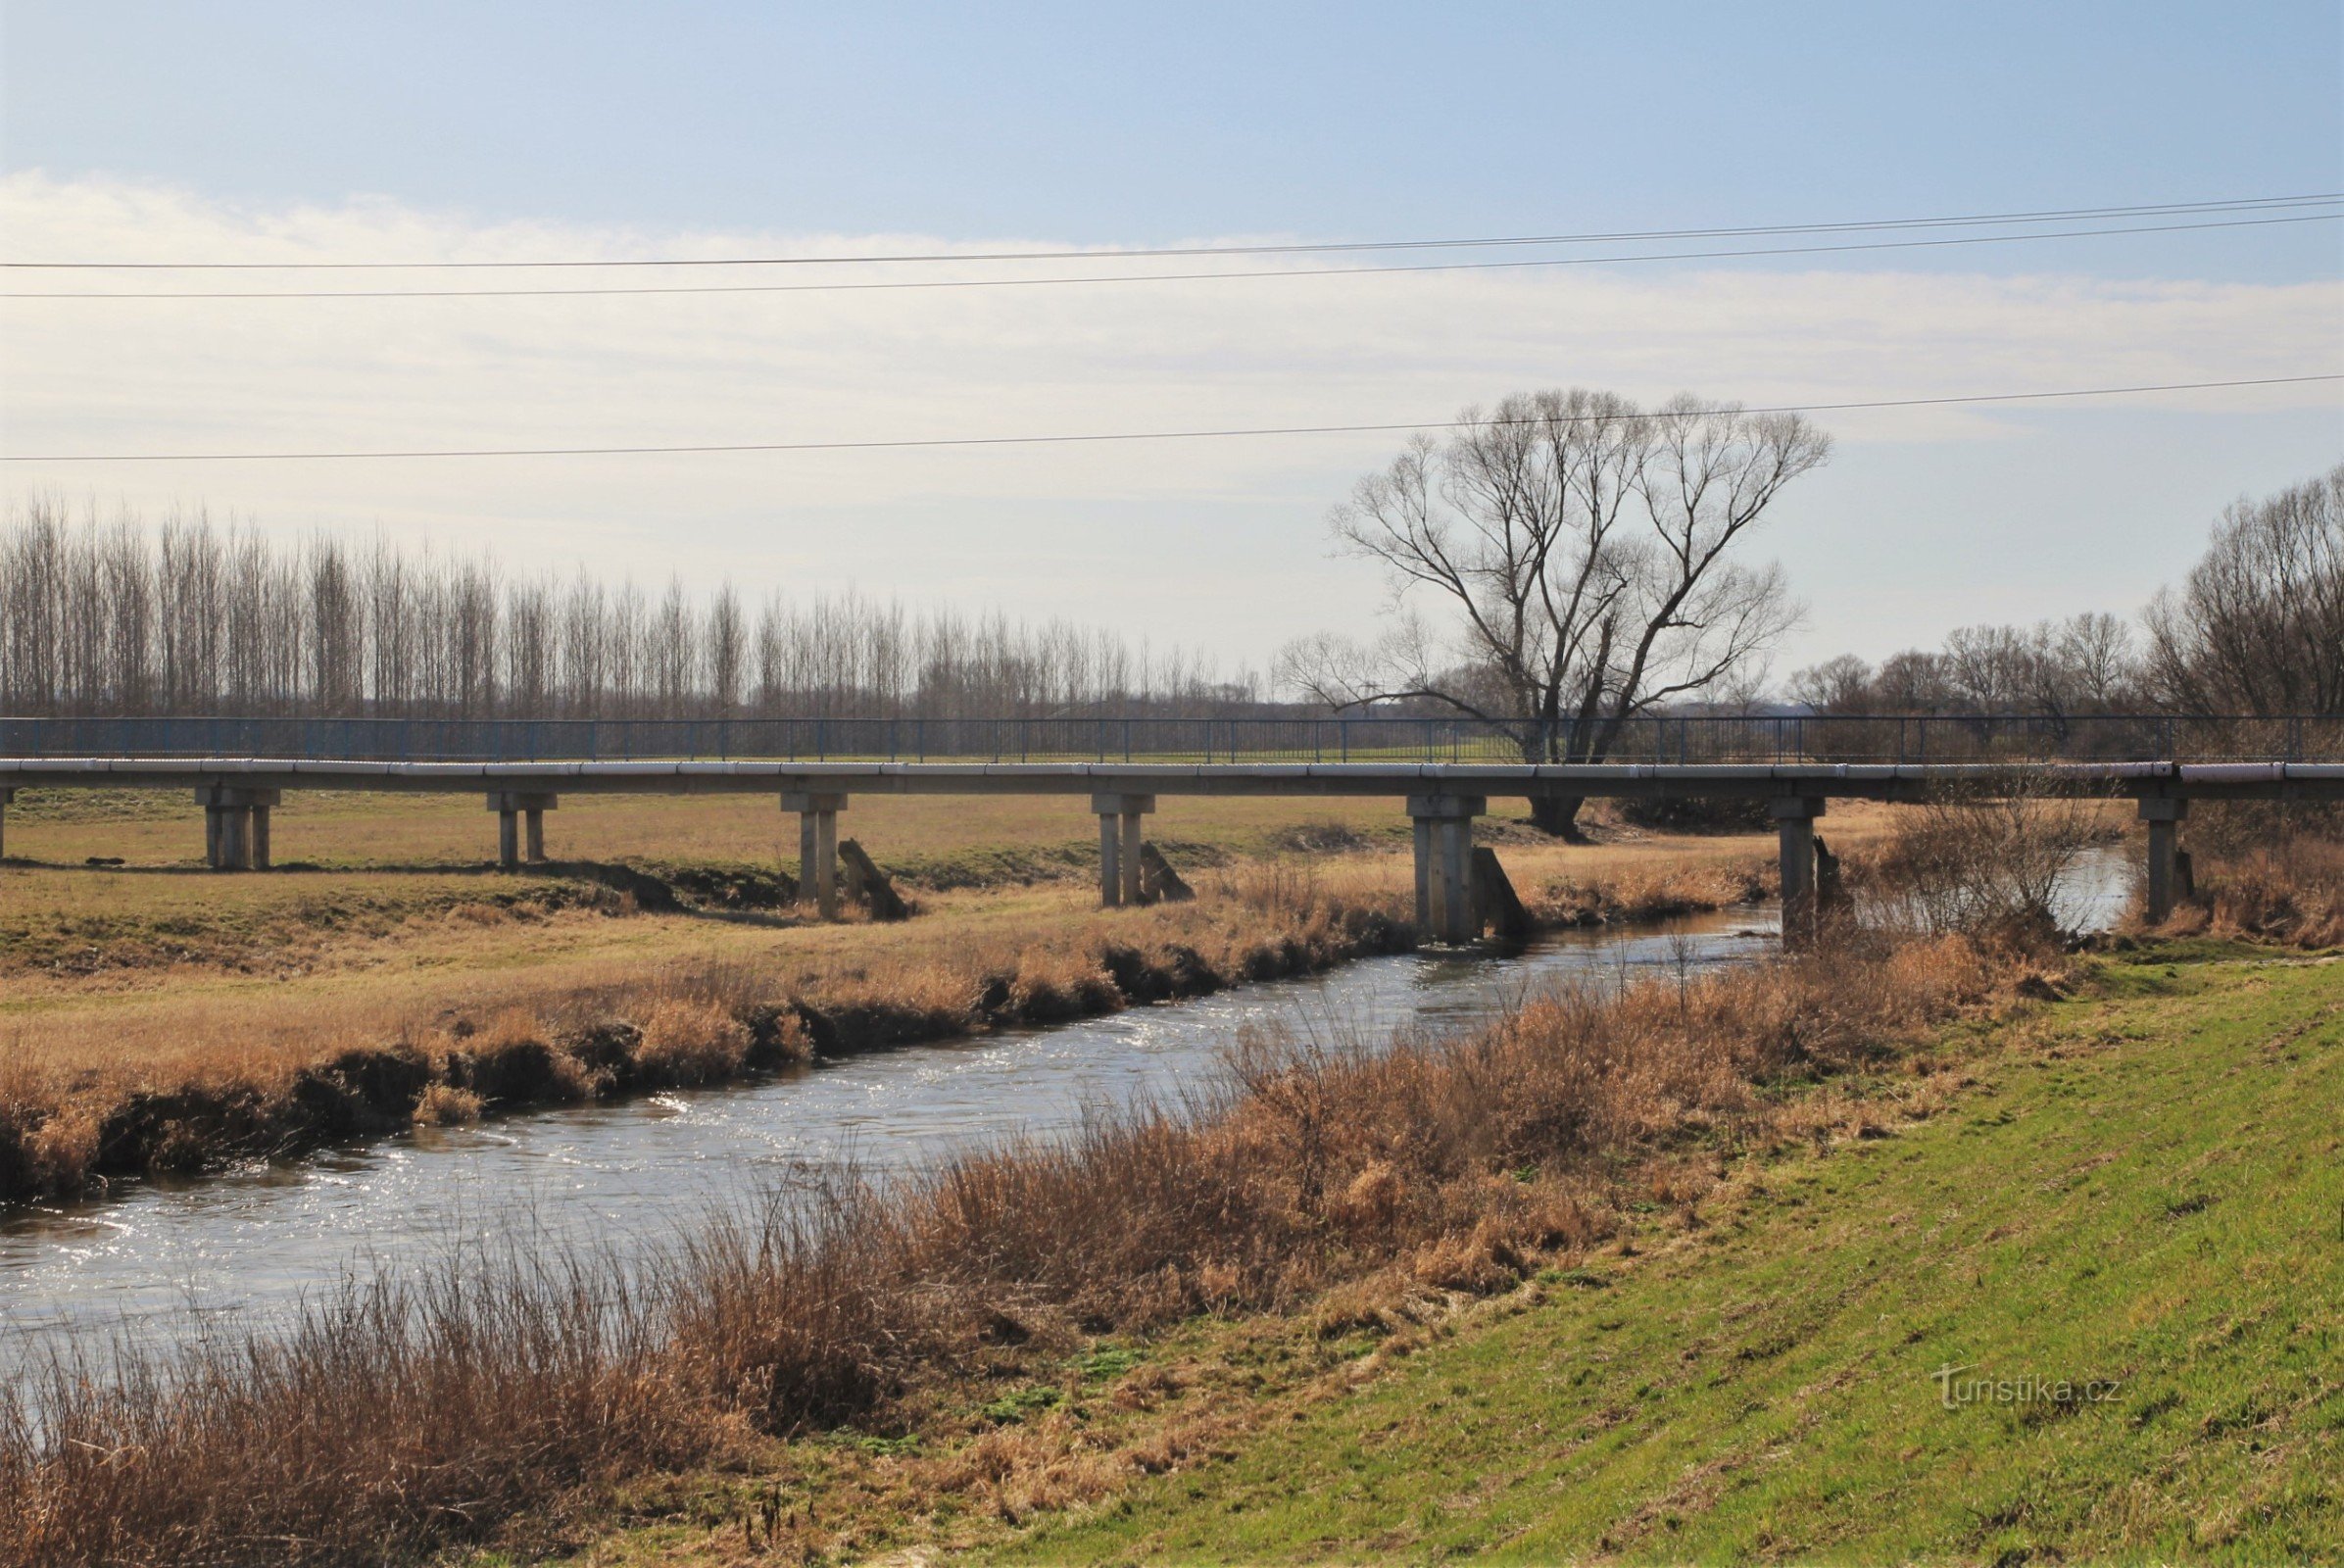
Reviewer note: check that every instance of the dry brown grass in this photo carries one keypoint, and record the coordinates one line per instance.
(2290, 892)
(1652, 891)
(1332, 1179)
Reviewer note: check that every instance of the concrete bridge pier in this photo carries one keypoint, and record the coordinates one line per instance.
(1444, 907)
(7, 798)
(236, 826)
(1794, 826)
(520, 826)
(1119, 847)
(817, 847)
(2163, 814)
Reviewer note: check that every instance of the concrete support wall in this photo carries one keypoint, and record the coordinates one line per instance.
(1445, 902)
(517, 808)
(235, 826)
(1794, 825)
(2163, 814)
(1119, 828)
(817, 847)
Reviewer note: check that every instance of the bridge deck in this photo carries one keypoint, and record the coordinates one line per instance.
(1815, 780)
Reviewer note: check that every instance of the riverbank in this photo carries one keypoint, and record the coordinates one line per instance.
(938, 1308)
(165, 1019)
(1750, 1361)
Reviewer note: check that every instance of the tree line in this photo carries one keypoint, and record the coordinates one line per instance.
(2257, 628)
(193, 618)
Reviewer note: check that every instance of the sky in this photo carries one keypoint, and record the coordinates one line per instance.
(264, 131)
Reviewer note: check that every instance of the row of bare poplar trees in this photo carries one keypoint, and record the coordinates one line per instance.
(192, 617)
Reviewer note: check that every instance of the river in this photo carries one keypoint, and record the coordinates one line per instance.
(160, 1257)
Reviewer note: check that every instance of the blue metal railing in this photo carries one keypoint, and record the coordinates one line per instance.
(1654, 738)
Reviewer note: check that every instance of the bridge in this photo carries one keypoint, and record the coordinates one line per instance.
(1441, 797)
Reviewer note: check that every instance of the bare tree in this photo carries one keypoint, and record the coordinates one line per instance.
(1582, 552)
(1841, 685)
(2259, 626)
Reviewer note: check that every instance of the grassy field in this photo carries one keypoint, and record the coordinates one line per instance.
(2136, 1202)
(2065, 1287)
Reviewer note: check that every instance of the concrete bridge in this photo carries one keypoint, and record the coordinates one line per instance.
(239, 794)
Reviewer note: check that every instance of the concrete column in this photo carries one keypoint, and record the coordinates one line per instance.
(211, 834)
(7, 797)
(826, 864)
(260, 836)
(1424, 873)
(508, 842)
(2163, 814)
(533, 834)
(1795, 823)
(817, 847)
(1446, 911)
(1110, 860)
(1119, 830)
(235, 838)
(805, 856)
(1128, 860)
(1460, 920)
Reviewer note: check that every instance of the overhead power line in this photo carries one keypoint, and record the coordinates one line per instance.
(900, 444)
(1632, 236)
(1151, 278)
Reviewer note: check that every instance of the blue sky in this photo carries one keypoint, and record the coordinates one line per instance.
(353, 130)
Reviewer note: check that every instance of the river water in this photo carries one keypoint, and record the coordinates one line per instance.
(161, 1258)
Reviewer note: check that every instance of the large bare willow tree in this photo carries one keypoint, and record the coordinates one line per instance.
(1582, 553)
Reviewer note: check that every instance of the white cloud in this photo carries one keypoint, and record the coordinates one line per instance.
(1223, 537)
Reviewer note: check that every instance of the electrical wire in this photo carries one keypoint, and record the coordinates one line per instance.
(1144, 277)
(1637, 236)
(906, 443)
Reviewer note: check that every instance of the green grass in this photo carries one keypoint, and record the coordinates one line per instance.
(2145, 1190)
